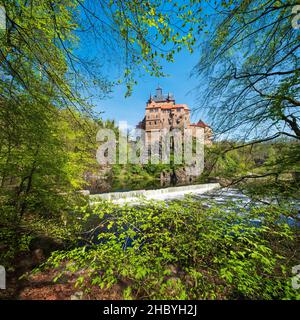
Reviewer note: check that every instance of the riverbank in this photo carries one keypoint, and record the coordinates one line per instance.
(204, 246)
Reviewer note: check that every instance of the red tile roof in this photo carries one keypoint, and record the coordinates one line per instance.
(200, 124)
(167, 106)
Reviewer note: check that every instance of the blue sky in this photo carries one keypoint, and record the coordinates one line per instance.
(132, 109)
(179, 82)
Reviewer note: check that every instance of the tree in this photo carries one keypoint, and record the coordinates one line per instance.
(252, 62)
(44, 73)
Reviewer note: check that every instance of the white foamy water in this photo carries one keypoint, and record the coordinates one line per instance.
(137, 196)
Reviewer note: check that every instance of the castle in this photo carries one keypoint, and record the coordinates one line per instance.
(162, 112)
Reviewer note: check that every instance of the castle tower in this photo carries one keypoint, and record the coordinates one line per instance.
(162, 112)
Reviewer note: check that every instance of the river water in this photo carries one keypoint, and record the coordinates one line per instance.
(223, 197)
(226, 195)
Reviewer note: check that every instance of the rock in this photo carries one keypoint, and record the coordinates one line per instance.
(179, 176)
(98, 182)
(46, 244)
(26, 262)
(38, 256)
(224, 182)
(165, 178)
(77, 296)
(84, 192)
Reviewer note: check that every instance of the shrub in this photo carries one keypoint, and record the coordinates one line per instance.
(186, 250)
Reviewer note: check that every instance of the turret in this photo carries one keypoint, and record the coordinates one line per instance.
(159, 91)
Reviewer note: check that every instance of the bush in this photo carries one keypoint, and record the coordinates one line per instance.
(186, 250)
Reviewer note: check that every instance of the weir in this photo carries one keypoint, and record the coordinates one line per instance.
(156, 194)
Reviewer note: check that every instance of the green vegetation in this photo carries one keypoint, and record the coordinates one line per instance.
(251, 62)
(262, 169)
(184, 250)
(249, 58)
